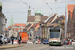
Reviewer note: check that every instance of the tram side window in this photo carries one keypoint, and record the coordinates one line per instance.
(54, 30)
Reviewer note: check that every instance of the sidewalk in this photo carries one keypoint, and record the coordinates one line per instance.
(11, 46)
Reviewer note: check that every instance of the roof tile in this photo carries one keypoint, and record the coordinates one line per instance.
(43, 18)
(19, 24)
(30, 19)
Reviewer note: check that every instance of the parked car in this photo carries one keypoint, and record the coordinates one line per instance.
(1, 39)
(73, 42)
(5, 40)
(45, 41)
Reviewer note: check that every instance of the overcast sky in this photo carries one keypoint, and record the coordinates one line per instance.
(19, 8)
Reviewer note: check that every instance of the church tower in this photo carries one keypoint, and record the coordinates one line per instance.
(29, 11)
(38, 15)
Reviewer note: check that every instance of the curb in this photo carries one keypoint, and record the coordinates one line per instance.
(13, 46)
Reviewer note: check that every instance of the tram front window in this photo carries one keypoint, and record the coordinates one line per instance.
(54, 34)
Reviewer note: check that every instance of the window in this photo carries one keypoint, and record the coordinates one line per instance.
(54, 34)
(54, 30)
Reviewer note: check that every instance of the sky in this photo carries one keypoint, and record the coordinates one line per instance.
(18, 9)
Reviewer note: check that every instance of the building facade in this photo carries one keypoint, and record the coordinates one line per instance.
(71, 23)
(35, 19)
(16, 28)
(2, 21)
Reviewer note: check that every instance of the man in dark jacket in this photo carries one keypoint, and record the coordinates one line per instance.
(19, 39)
(12, 39)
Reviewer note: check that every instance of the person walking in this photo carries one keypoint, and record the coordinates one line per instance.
(12, 39)
(33, 41)
(19, 39)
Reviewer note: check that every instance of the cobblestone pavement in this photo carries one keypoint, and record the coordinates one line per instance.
(43, 47)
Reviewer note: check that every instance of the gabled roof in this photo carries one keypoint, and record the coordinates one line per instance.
(58, 19)
(43, 18)
(27, 26)
(36, 24)
(18, 28)
(20, 24)
(30, 18)
(49, 19)
(70, 8)
(53, 25)
(10, 26)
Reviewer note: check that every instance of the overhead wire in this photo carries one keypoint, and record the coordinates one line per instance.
(33, 8)
(27, 4)
(49, 6)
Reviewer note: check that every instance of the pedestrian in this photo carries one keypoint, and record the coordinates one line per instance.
(19, 39)
(33, 41)
(69, 42)
(12, 39)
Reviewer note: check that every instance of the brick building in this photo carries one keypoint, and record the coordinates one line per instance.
(71, 22)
